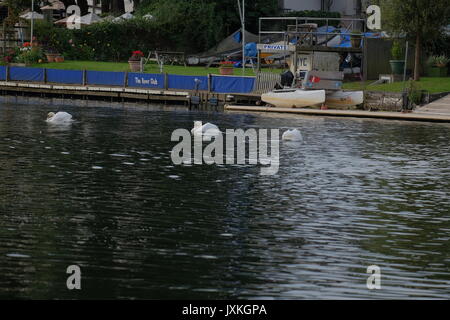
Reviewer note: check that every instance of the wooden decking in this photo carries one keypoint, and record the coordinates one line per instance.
(438, 107)
(413, 116)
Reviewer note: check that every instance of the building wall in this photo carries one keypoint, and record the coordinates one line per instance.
(298, 5)
(345, 7)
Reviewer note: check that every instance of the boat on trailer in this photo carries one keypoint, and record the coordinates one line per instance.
(294, 98)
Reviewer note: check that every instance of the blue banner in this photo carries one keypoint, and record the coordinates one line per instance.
(26, 74)
(106, 78)
(146, 80)
(232, 84)
(2, 73)
(188, 82)
(65, 76)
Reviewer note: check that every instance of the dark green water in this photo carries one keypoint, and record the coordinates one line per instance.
(103, 194)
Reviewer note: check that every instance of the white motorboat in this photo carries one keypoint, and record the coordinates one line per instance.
(344, 98)
(294, 98)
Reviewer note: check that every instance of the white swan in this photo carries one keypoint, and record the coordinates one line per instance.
(59, 117)
(207, 129)
(292, 135)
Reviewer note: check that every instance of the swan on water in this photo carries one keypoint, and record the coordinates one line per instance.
(292, 135)
(59, 117)
(207, 129)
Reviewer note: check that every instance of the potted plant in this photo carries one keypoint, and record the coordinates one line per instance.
(51, 54)
(29, 55)
(437, 66)
(226, 68)
(59, 59)
(397, 64)
(135, 61)
(356, 38)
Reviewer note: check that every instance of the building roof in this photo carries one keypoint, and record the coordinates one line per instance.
(30, 15)
(55, 5)
(87, 19)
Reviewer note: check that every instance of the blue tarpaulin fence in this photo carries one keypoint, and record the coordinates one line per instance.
(106, 78)
(188, 82)
(3, 71)
(26, 74)
(214, 83)
(232, 84)
(146, 80)
(65, 76)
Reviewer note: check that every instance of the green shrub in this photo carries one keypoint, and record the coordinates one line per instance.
(438, 61)
(414, 92)
(30, 55)
(397, 50)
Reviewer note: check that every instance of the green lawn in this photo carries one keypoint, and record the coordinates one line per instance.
(432, 85)
(149, 68)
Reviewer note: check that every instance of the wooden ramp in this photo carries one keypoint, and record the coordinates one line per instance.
(438, 107)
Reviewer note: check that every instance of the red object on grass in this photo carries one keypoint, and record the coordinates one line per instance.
(138, 53)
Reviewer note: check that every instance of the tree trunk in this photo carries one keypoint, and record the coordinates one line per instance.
(417, 57)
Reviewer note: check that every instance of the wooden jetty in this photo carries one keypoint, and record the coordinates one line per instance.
(86, 92)
(412, 116)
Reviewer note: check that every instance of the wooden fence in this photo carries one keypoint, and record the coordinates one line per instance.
(266, 81)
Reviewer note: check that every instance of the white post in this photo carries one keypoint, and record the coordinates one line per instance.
(243, 37)
(32, 21)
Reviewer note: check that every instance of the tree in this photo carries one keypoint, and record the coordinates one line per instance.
(417, 19)
(114, 6)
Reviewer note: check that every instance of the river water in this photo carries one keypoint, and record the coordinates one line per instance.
(103, 194)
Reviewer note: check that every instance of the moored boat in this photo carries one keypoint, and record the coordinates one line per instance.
(294, 98)
(344, 98)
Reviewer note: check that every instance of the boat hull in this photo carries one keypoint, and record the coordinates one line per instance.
(344, 99)
(296, 98)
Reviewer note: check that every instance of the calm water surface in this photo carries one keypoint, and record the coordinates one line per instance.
(104, 194)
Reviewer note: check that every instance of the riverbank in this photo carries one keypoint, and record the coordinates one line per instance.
(430, 84)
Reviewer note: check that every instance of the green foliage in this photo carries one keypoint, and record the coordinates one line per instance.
(415, 17)
(184, 25)
(414, 92)
(30, 56)
(178, 25)
(223, 20)
(397, 51)
(438, 61)
(439, 46)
